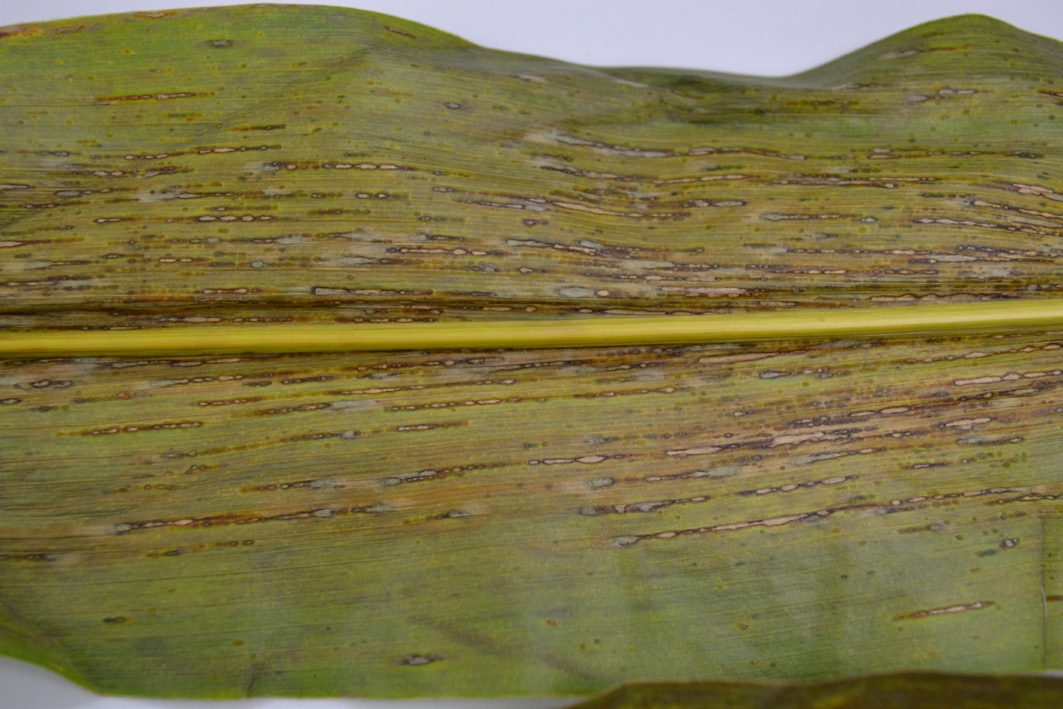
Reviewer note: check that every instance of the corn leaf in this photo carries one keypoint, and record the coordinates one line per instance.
(477, 517)
(901, 691)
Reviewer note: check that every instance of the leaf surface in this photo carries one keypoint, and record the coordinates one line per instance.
(509, 521)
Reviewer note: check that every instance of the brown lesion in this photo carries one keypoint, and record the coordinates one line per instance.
(307, 380)
(35, 557)
(230, 402)
(904, 53)
(318, 406)
(194, 548)
(348, 435)
(161, 96)
(418, 660)
(945, 610)
(791, 487)
(1033, 190)
(1002, 495)
(19, 31)
(466, 402)
(779, 521)
(437, 473)
(165, 426)
(999, 206)
(89, 171)
(227, 218)
(639, 507)
(373, 391)
(293, 485)
(835, 181)
(268, 127)
(240, 518)
(410, 428)
(621, 392)
(592, 209)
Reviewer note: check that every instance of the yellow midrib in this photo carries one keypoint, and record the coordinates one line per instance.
(982, 317)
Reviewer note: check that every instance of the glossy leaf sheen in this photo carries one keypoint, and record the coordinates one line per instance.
(551, 521)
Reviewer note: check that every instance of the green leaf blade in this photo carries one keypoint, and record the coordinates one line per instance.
(695, 517)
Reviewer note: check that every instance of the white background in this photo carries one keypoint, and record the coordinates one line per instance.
(768, 37)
